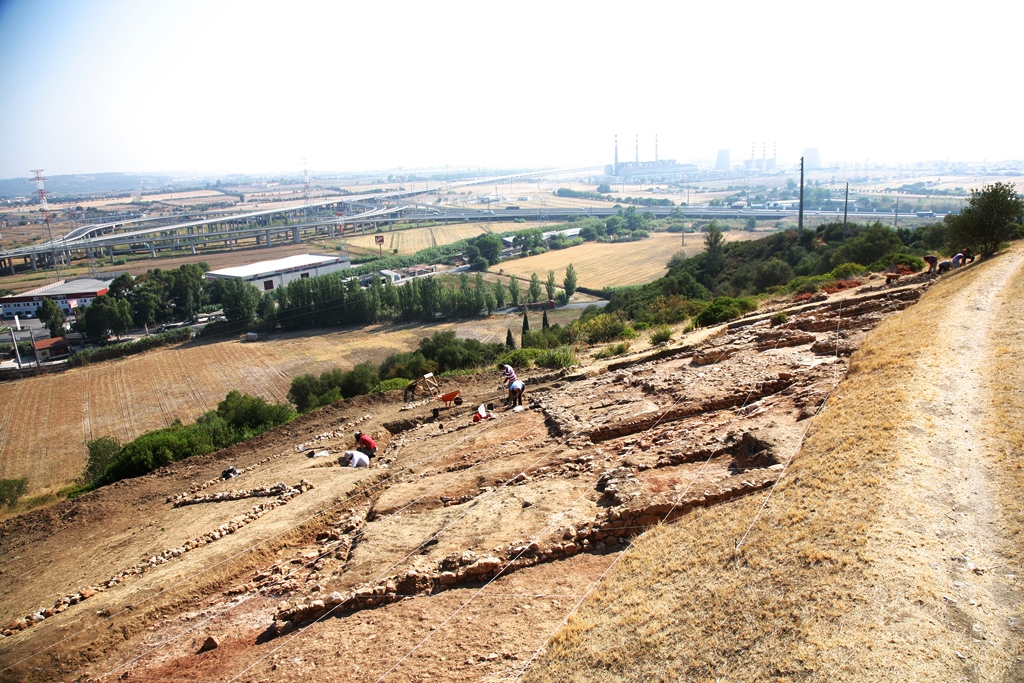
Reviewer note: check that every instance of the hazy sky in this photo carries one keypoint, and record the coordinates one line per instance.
(207, 86)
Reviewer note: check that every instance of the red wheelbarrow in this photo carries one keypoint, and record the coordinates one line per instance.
(449, 399)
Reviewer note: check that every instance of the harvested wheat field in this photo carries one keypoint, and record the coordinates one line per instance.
(466, 545)
(609, 264)
(127, 397)
(410, 240)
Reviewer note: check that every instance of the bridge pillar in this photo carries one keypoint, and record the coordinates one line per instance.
(152, 250)
(33, 257)
(330, 231)
(295, 236)
(268, 238)
(192, 246)
(111, 255)
(10, 262)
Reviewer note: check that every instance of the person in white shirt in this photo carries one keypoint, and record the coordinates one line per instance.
(356, 459)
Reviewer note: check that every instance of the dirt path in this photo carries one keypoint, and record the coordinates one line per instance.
(946, 536)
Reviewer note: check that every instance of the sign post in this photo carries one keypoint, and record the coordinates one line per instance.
(379, 239)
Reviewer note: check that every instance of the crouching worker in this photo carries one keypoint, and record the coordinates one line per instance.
(355, 459)
(515, 394)
(365, 444)
(933, 263)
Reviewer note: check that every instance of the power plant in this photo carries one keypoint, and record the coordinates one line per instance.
(669, 169)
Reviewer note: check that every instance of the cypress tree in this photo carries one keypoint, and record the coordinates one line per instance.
(509, 341)
(544, 325)
(526, 322)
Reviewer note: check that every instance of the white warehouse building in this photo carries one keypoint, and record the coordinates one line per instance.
(269, 275)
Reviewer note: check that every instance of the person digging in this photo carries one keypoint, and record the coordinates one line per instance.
(366, 444)
(515, 394)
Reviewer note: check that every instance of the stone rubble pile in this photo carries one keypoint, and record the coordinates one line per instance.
(196, 488)
(280, 489)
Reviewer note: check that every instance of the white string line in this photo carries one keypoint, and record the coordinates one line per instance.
(520, 554)
(171, 639)
(593, 586)
(391, 475)
(418, 547)
(835, 382)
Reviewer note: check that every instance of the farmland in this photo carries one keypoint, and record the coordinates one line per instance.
(601, 265)
(411, 240)
(46, 421)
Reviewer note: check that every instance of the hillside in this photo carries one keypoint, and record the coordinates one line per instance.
(891, 549)
(465, 548)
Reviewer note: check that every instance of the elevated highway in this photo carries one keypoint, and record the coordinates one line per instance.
(292, 224)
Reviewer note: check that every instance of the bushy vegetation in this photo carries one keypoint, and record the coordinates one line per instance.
(237, 418)
(182, 334)
(716, 284)
(986, 222)
(439, 353)
(661, 334)
(156, 296)
(612, 350)
(11, 490)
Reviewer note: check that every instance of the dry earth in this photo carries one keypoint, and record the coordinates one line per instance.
(454, 557)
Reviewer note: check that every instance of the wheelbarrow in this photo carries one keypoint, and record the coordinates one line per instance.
(449, 399)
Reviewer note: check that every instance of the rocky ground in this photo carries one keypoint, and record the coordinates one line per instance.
(454, 557)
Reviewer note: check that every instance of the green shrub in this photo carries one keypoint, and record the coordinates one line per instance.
(778, 318)
(612, 350)
(238, 417)
(724, 308)
(603, 327)
(898, 259)
(661, 334)
(182, 334)
(845, 271)
(12, 489)
(390, 384)
(805, 284)
(521, 358)
(101, 452)
(562, 357)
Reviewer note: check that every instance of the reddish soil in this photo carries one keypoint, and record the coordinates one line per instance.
(454, 557)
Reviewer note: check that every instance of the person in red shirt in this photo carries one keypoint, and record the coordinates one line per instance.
(366, 444)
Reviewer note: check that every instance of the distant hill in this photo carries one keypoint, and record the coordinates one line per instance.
(94, 183)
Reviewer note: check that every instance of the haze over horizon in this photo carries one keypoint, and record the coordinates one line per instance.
(254, 87)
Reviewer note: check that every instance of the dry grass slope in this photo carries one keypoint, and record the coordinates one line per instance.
(826, 586)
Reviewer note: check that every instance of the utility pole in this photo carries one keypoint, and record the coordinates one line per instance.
(17, 354)
(846, 205)
(32, 337)
(800, 219)
(896, 216)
